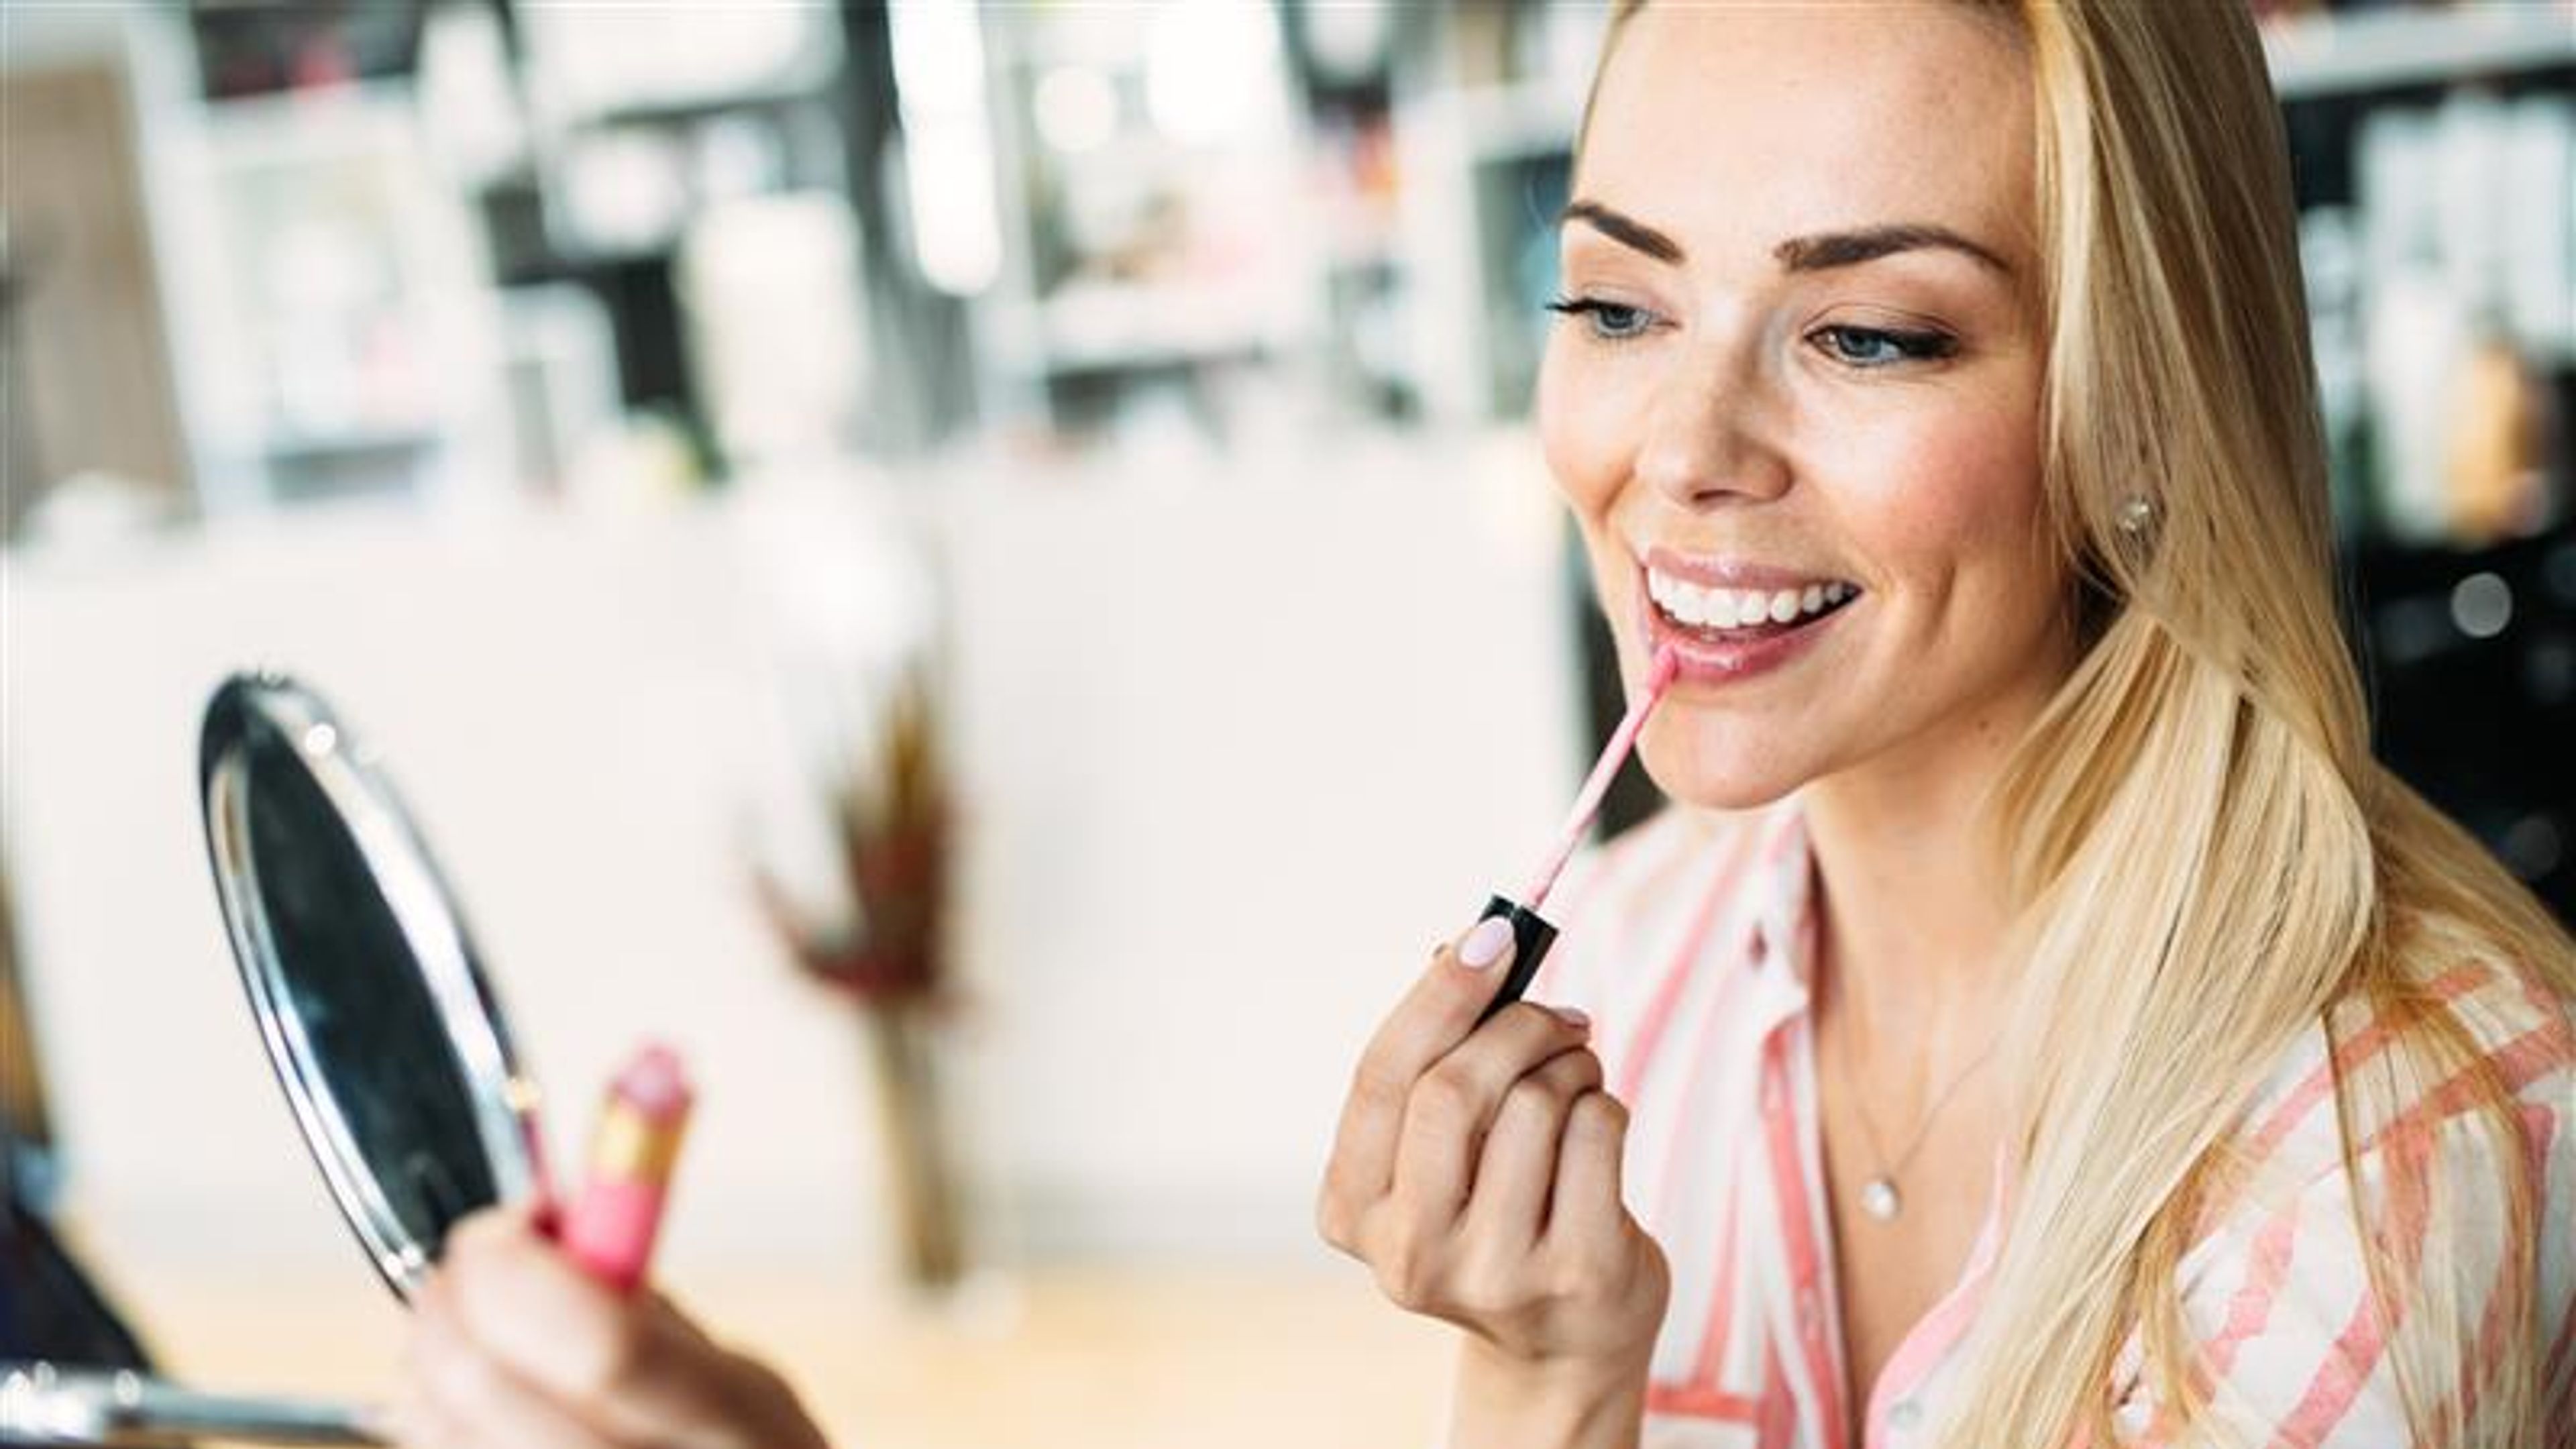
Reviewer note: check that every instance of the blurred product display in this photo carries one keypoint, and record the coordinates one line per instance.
(2472, 661)
(350, 339)
(2434, 155)
(1079, 226)
(774, 312)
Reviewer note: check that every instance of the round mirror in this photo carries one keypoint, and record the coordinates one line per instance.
(375, 1013)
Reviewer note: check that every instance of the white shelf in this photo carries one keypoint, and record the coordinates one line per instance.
(1096, 326)
(298, 130)
(351, 441)
(2377, 50)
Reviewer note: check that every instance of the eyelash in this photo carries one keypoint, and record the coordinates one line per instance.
(1911, 346)
(1835, 341)
(1598, 313)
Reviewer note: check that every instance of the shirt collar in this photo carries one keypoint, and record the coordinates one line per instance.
(1781, 936)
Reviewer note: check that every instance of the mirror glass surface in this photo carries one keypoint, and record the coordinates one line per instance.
(357, 997)
(368, 996)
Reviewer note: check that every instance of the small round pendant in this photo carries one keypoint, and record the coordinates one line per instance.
(1878, 1198)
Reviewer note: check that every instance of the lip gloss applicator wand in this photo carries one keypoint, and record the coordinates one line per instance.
(1531, 933)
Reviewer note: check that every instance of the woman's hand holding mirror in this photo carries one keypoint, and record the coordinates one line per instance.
(514, 1347)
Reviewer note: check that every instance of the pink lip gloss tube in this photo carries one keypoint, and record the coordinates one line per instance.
(609, 1230)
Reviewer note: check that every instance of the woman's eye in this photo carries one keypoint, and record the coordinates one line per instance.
(1610, 321)
(1876, 347)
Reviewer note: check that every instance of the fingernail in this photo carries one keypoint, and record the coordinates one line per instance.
(1572, 1016)
(1486, 944)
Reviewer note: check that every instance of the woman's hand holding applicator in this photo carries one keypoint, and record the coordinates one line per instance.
(1477, 1173)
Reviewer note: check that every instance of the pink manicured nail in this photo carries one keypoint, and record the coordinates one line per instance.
(1486, 944)
(1572, 1016)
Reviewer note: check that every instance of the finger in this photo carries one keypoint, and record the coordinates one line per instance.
(530, 1307)
(460, 1398)
(1436, 1014)
(413, 1422)
(408, 1420)
(1507, 1205)
(1588, 1201)
(631, 1367)
(1452, 1107)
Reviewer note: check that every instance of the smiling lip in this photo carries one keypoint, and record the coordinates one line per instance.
(1728, 573)
(1713, 657)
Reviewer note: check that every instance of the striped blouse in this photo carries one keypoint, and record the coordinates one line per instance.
(1689, 944)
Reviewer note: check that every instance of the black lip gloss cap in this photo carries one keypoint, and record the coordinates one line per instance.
(1531, 936)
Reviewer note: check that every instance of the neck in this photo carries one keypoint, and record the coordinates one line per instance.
(1914, 906)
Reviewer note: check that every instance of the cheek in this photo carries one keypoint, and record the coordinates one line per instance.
(1955, 503)
(1582, 429)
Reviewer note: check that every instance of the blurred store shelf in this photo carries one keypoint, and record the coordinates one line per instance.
(2471, 659)
(2337, 53)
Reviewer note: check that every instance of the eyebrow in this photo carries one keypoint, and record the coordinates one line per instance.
(1624, 229)
(1820, 252)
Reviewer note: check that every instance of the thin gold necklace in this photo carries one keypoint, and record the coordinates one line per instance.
(1879, 1196)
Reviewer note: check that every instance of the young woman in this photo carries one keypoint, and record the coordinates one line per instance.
(2038, 1021)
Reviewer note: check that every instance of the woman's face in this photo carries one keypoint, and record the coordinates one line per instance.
(1794, 397)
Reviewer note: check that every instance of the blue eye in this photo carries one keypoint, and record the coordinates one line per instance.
(1609, 321)
(1871, 347)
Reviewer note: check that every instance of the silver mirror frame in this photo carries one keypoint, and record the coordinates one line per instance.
(504, 1097)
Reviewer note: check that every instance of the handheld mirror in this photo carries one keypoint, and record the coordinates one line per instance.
(369, 997)
(378, 1020)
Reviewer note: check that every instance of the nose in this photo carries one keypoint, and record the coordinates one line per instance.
(1711, 435)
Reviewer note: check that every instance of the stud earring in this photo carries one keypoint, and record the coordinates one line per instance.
(2136, 512)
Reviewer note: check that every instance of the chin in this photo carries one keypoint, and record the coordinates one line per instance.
(1702, 772)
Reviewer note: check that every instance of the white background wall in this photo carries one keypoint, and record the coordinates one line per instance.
(1236, 747)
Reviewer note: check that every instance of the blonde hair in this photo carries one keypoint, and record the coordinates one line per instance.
(2209, 862)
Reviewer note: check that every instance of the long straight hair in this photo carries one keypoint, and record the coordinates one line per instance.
(2206, 860)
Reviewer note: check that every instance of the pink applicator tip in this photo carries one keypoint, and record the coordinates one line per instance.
(1660, 676)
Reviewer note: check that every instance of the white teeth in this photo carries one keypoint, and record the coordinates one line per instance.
(1737, 608)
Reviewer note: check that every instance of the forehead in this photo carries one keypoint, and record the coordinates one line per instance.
(1733, 125)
